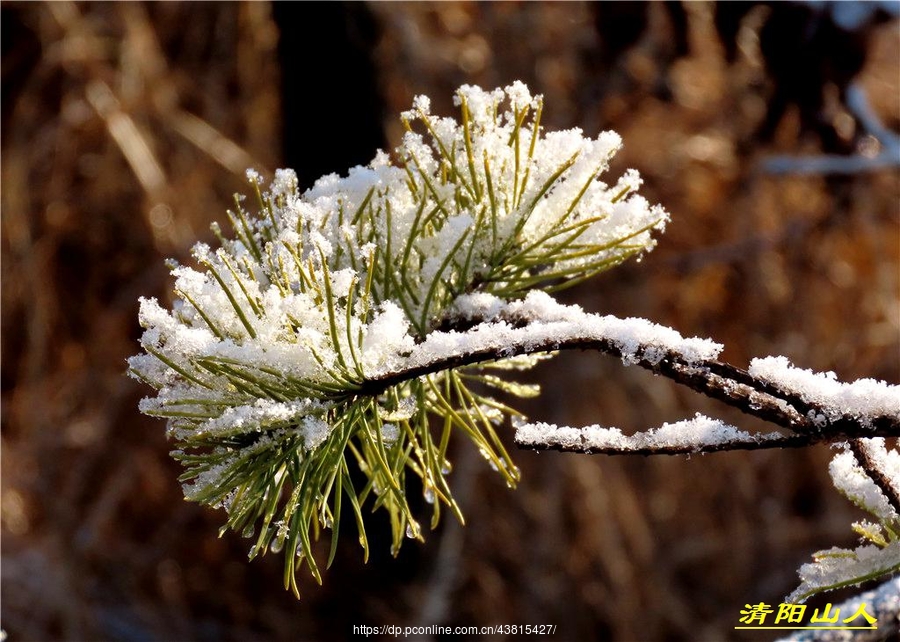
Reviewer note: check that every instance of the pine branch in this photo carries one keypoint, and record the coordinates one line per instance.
(880, 603)
(355, 327)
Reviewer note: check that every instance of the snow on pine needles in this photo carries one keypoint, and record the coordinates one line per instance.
(336, 342)
(264, 364)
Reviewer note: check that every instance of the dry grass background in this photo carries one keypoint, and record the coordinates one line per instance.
(126, 130)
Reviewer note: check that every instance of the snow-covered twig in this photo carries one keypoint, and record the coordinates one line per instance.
(864, 457)
(687, 437)
(815, 407)
(712, 378)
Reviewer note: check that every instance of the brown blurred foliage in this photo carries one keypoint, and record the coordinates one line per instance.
(126, 130)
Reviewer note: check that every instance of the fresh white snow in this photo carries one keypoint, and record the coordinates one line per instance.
(865, 399)
(688, 434)
(849, 477)
(548, 324)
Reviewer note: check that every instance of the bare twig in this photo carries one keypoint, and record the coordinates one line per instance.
(887, 158)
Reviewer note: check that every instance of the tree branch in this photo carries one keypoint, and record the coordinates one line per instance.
(875, 473)
(755, 442)
(887, 158)
(710, 377)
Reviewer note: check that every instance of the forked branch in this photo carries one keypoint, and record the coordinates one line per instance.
(808, 418)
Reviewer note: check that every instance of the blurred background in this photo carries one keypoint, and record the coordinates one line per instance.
(126, 130)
